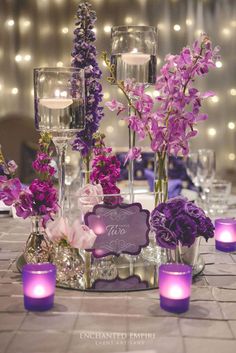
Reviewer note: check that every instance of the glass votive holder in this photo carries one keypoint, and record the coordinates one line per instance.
(175, 287)
(225, 234)
(39, 281)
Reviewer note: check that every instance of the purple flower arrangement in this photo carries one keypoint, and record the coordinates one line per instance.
(179, 221)
(106, 170)
(171, 124)
(40, 198)
(84, 57)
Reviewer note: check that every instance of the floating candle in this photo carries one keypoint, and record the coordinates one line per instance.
(134, 58)
(39, 282)
(225, 234)
(56, 103)
(175, 287)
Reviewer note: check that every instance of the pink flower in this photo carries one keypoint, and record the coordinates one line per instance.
(115, 105)
(78, 235)
(81, 236)
(12, 166)
(89, 196)
(134, 153)
(58, 229)
(10, 190)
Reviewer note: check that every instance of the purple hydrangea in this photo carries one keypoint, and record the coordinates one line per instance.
(180, 221)
(84, 57)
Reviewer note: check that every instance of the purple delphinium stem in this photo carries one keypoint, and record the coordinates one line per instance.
(84, 57)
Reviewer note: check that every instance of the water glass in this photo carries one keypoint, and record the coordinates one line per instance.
(218, 197)
(192, 167)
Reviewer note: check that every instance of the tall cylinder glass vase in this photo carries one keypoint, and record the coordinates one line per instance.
(160, 187)
(38, 247)
(131, 166)
(160, 178)
(86, 255)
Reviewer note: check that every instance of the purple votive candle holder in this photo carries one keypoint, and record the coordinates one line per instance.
(39, 281)
(225, 234)
(175, 287)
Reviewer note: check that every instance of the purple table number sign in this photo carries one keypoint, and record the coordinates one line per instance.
(120, 229)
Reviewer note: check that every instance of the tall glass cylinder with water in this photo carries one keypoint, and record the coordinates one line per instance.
(59, 109)
(133, 56)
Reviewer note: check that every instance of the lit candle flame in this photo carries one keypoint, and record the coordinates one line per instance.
(175, 292)
(38, 291)
(226, 237)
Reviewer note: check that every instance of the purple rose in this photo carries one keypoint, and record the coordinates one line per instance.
(172, 208)
(193, 211)
(165, 238)
(205, 228)
(157, 219)
(185, 229)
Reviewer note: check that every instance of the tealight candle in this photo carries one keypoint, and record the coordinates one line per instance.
(225, 234)
(175, 287)
(39, 281)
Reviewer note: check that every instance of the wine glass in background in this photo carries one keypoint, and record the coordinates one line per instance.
(59, 109)
(192, 167)
(206, 170)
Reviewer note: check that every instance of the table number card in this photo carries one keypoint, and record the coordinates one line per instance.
(120, 229)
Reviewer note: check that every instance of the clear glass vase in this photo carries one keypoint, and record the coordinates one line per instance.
(70, 266)
(104, 268)
(38, 247)
(152, 252)
(160, 178)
